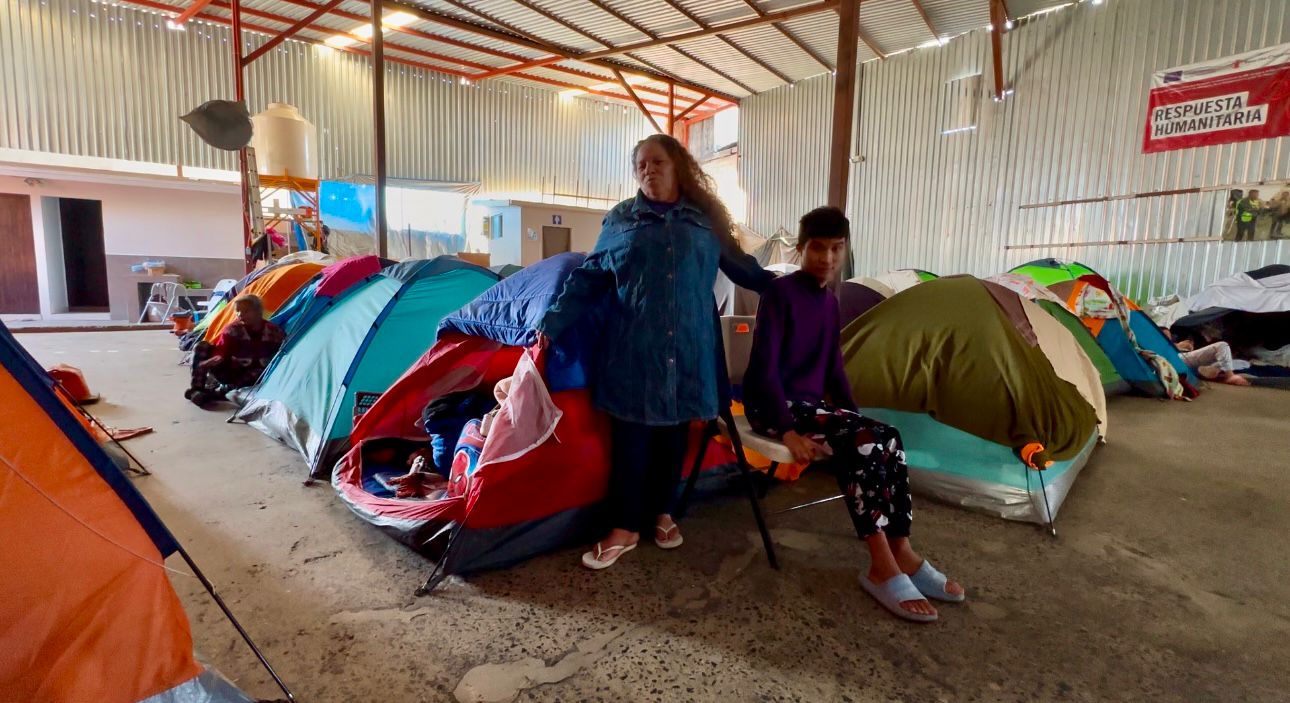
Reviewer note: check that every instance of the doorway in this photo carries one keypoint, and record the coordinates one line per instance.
(84, 259)
(19, 291)
(555, 240)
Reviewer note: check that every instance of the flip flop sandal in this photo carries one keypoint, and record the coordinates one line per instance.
(931, 583)
(894, 591)
(666, 542)
(604, 557)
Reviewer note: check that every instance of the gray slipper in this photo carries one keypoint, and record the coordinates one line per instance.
(931, 583)
(894, 591)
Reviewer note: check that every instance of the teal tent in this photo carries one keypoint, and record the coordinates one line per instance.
(355, 351)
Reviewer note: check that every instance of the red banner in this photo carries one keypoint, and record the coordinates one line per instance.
(1232, 99)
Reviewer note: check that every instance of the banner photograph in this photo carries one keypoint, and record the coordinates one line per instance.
(1232, 99)
(1257, 214)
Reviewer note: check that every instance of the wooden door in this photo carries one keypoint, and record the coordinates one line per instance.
(555, 240)
(18, 288)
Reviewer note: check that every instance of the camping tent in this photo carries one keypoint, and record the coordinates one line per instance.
(274, 284)
(1029, 289)
(1120, 327)
(88, 611)
(904, 279)
(858, 295)
(360, 344)
(312, 300)
(1246, 310)
(544, 463)
(984, 387)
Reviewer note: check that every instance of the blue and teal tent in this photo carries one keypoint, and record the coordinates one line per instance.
(359, 345)
(1071, 281)
(323, 290)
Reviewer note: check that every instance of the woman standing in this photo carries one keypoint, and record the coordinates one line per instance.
(652, 274)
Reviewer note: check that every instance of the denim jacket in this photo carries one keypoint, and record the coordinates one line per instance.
(650, 278)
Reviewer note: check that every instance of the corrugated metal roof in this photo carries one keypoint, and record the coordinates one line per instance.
(581, 26)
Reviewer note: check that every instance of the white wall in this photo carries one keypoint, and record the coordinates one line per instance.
(142, 218)
(55, 272)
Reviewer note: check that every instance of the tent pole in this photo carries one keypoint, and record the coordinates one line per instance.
(210, 588)
(1052, 526)
(439, 573)
(142, 470)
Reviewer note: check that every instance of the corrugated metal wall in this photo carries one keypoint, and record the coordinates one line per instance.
(90, 79)
(1071, 130)
(784, 152)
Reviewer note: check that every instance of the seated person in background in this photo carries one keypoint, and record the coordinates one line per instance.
(238, 357)
(796, 390)
(1212, 362)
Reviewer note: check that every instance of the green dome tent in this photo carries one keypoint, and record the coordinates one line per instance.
(988, 391)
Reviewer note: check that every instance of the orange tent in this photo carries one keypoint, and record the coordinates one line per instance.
(274, 288)
(88, 612)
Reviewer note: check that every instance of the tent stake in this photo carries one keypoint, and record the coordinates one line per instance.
(210, 588)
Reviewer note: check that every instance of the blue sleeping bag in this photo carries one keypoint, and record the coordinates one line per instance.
(509, 312)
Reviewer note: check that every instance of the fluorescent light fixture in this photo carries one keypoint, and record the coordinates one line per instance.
(171, 24)
(959, 130)
(571, 93)
(1098, 2)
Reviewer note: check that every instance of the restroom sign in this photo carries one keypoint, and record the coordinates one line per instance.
(557, 220)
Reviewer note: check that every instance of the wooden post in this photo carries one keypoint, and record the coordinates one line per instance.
(844, 97)
(378, 129)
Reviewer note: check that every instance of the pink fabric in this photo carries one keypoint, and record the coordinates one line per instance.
(341, 275)
(526, 418)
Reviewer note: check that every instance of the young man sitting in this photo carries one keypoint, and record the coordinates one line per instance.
(796, 390)
(238, 357)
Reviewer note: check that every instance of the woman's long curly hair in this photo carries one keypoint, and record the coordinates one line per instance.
(693, 184)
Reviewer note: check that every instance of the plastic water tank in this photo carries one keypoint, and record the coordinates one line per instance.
(286, 144)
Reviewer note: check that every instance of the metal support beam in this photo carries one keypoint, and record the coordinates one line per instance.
(806, 48)
(927, 19)
(594, 58)
(844, 94)
(191, 11)
(645, 111)
(378, 129)
(239, 94)
(698, 22)
(690, 109)
(873, 46)
(671, 108)
(997, 19)
(299, 25)
(788, 34)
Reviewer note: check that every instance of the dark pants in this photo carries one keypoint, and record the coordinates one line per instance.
(646, 470)
(868, 461)
(1245, 231)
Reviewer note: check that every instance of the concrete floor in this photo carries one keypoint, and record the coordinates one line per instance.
(1169, 580)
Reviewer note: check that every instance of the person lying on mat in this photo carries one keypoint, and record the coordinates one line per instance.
(796, 391)
(238, 357)
(652, 274)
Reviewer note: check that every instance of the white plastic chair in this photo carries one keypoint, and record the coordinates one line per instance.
(162, 297)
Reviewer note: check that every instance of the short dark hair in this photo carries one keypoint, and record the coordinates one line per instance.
(823, 223)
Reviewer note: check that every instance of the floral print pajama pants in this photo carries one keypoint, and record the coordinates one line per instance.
(868, 461)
